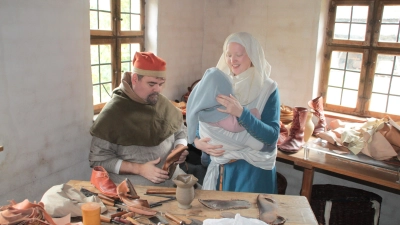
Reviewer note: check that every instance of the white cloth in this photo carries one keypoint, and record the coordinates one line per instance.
(327, 212)
(236, 145)
(246, 86)
(253, 78)
(238, 220)
(61, 200)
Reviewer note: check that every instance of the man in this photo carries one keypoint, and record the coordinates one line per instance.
(139, 127)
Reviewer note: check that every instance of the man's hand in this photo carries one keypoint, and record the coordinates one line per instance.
(182, 157)
(203, 145)
(151, 172)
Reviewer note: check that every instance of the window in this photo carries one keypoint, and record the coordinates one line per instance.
(116, 33)
(361, 71)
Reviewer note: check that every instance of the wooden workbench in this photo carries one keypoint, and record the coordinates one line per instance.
(295, 209)
(339, 165)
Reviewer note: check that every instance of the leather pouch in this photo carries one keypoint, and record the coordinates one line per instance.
(170, 164)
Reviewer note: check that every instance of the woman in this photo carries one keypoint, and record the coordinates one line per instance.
(234, 166)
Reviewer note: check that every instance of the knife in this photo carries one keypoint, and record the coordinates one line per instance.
(159, 219)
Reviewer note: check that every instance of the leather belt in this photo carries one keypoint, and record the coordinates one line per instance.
(221, 172)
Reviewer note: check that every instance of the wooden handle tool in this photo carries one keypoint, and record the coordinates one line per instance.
(161, 191)
(180, 220)
(174, 218)
(105, 219)
(133, 221)
(121, 221)
(119, 214)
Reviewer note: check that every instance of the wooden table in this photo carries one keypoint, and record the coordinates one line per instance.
(295, 209)
(319, 160)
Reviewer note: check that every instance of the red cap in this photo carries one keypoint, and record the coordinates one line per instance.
(148, 64)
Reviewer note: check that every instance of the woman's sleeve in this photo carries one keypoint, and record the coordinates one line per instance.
(265, 130)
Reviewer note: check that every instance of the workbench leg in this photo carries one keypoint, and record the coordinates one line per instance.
(306, 187)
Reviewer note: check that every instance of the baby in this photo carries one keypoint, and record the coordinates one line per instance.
(202, 106)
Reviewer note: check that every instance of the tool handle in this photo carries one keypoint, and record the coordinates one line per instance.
(161, 191)
(174, 218)
(105, 219)
(121, 221)
(133, 221)
(119, 214)
(101, 196)
(107, 202)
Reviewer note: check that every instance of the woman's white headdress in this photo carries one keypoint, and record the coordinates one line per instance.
(247, 84)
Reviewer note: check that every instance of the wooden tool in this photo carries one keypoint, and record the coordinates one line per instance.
(174, 218)
(161, 191)
(178, 220)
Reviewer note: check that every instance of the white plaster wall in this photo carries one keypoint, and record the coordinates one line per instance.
(287, 30)
(45, 96)
(180, 43)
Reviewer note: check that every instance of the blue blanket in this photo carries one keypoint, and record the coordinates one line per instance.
(202, 105)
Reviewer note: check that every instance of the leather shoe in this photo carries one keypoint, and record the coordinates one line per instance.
(170, 164)
(102, 182)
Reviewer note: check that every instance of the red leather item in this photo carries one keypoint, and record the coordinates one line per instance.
(170, 164)
(294, 142)
(318, 105)
(25, 212)
(283, 133)
(102, 182)
(128, 195)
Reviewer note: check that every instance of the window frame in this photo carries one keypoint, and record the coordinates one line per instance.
(370, 48)
(115, 38)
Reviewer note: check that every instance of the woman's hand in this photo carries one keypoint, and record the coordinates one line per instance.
(203, 145)
(231, 104)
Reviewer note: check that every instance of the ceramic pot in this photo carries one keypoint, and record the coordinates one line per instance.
(309, 126)
(185, 190)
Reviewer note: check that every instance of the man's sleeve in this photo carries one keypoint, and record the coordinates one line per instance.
(103, 153)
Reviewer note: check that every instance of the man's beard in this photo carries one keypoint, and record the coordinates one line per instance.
(152, 98)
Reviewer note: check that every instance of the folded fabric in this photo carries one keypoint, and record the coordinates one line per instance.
(61, 200)
(236, 221)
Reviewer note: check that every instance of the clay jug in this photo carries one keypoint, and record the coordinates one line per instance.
(309, 126)
(185, 190)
